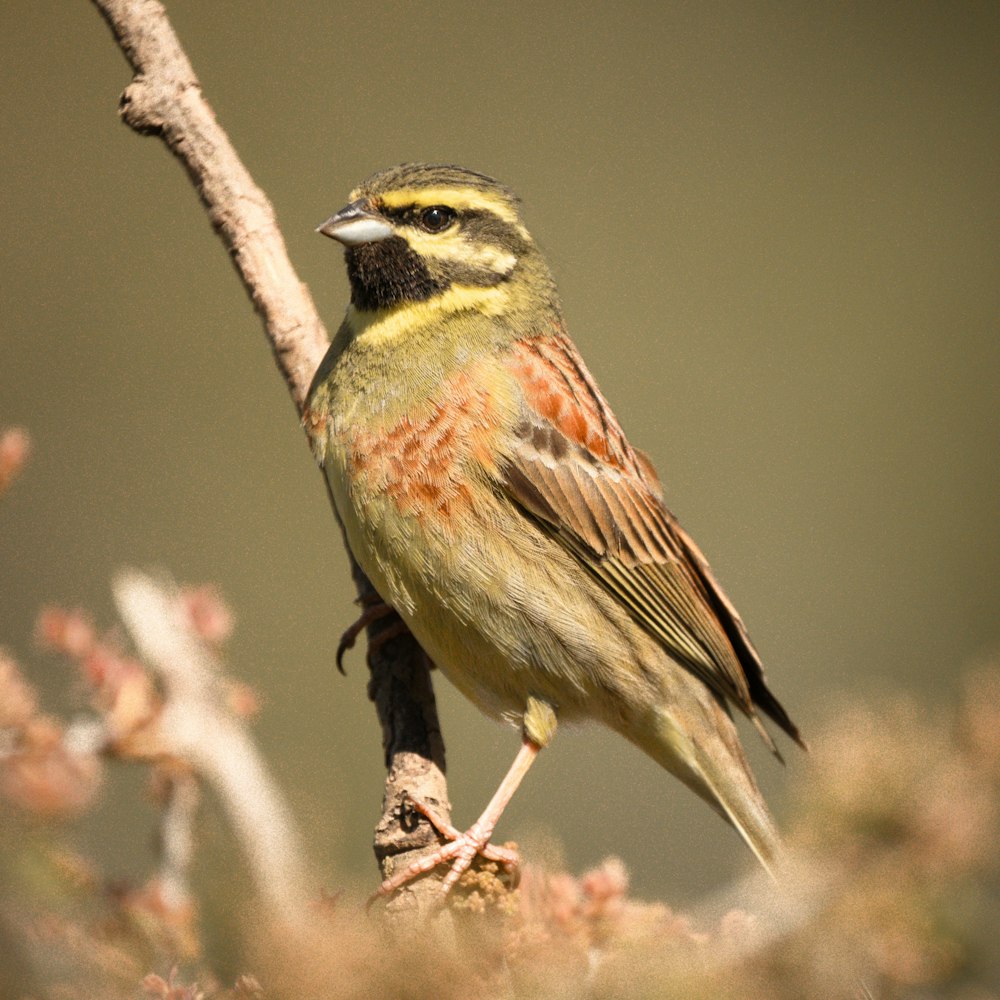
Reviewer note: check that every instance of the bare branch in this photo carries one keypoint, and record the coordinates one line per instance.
(197, 727)
(180, 808)
(165, 99)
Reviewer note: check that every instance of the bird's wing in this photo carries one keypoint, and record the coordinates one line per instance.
(570, 467)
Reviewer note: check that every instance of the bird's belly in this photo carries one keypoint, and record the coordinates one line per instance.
(457, 612)
(502, 609)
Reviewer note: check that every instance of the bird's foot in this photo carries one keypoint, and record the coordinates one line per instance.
(375, 609)
(460, 852)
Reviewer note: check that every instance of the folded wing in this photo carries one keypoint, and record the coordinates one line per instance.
(570, 467)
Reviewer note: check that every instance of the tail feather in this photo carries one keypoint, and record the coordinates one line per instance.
(744, 808)
(705, 753)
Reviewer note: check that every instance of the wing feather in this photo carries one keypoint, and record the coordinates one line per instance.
(569, 466)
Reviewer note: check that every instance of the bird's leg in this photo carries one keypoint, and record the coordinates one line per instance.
(374, 610)
(463, 847)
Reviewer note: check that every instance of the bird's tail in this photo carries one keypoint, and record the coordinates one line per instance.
(706, 755)
(736, 797)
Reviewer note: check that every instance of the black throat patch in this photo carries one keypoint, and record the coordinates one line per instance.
(387, 273)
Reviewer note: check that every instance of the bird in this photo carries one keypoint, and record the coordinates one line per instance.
(491, 496)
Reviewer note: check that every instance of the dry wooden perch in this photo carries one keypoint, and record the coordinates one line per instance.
(165, 99)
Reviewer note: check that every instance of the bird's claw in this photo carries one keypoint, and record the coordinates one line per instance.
(460, 852)
(375, 609)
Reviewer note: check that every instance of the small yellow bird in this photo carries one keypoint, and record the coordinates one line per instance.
(495, 503)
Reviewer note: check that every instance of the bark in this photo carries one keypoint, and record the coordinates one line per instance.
(165, 99)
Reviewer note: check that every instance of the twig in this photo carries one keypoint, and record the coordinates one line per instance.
(180, 808)
(196, 726)
(165, 99)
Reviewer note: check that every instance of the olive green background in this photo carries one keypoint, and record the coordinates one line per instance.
(775, 231)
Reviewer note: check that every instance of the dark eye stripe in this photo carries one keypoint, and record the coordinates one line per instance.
(477, 219)
(481, 226)
(403, 213)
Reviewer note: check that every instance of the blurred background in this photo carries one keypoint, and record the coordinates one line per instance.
(774, 227)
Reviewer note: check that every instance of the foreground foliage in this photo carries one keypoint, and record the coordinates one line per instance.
(893, 889)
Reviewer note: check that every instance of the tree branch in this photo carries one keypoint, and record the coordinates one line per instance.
(196, 728)
(165, 99)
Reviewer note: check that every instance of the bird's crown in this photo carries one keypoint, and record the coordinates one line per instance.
(422, 183)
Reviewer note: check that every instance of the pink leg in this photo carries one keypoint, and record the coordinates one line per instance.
(464, 847)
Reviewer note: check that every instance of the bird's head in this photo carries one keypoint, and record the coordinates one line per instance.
(416, 232)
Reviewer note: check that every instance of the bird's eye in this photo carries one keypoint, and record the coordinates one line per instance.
(436, 219)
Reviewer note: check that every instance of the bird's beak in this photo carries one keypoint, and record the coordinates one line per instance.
(355, 224)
